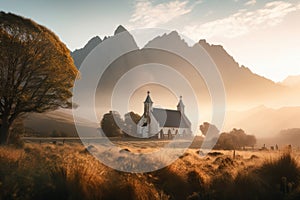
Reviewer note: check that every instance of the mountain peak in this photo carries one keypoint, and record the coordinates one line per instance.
(174, 35)
(80, 54)
(172, 39)
(93, 42)
(203, 42)
(119, 29)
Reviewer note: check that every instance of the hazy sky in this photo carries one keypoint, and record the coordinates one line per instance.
(262, 35)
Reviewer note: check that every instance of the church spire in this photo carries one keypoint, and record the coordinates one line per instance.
(148, 104)
(148, 98)
(180, 105)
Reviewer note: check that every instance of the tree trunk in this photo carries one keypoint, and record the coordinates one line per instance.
(4, 131)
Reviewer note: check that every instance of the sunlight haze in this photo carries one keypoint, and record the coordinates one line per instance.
(261, 35)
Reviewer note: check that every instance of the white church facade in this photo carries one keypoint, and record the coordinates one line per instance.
(163, 123)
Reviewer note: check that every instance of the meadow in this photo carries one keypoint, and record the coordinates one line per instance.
(69, 171)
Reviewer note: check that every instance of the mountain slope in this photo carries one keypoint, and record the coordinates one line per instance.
(243, 88)
(292, 81)
(59, 121)
(120, 29)
(263, 121)
(80, 54)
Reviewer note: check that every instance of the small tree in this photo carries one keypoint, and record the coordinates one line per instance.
(204, 128)
(251, 140)
(235, 139)
(214, 131)
(131, 119)
(36, 71)
(112, 124)
(239, 138)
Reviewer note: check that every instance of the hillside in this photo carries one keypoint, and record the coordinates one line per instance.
(263, 121)
(55, 123)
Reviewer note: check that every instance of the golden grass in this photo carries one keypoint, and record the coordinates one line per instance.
(48, 171)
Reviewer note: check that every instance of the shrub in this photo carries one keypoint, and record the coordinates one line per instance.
(273, 171)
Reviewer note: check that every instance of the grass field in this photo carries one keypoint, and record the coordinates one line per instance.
(68, 171)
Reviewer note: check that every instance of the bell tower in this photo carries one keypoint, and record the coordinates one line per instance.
(180, 105)
(148, 105)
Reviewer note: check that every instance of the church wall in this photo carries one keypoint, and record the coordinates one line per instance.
(154, 126)
(149, 130)
(141, 131)
(175, 131)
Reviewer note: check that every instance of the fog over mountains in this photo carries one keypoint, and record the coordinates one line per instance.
(244, 89)
(292, 81)
(246, 92)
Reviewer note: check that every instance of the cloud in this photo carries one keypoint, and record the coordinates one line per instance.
(147, 15)
(250, 3)
(242, 22)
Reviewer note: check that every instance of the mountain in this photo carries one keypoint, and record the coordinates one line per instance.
(120, 29)
(292, 81)
(283, 138)
(80, 54)
(243, 88)
(262, 121)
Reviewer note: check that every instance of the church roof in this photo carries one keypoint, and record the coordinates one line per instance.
(170, 118)
(148, 98)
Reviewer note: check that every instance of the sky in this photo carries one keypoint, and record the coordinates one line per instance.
(262, 35)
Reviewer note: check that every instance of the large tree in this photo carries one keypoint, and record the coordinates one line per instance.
(36, 70)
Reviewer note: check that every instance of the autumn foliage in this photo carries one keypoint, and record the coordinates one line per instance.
(36, 70)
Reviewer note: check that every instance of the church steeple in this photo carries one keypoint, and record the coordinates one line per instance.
(180, 105)
(148, 104)
(148, 99)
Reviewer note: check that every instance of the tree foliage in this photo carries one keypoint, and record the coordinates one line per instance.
(36, 70)
(131, 119)
(209, 130)
(235, 139)
(112, 124)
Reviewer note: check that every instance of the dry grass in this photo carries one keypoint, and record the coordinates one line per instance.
(49, 171)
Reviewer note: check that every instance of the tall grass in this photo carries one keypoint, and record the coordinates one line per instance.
(274, 179)
(50, 171)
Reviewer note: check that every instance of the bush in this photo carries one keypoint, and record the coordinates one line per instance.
(274, 179)
(280, 172)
